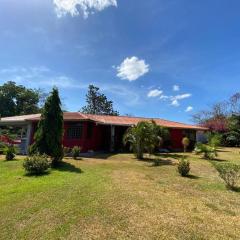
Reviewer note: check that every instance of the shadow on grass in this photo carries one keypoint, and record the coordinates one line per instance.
(37, 175)
(190, 176)
(102, 156)
(169, 155)
(233, 189)
(158, 162)
(68, 167)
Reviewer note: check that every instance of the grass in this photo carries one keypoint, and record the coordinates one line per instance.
(118, 197)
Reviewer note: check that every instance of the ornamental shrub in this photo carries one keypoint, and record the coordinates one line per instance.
(230, 173)
(9, 152)
(36, 164)
(76, 152)
(183, 167)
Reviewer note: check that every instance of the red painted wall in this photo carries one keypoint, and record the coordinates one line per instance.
(176, 136)
(100, 139)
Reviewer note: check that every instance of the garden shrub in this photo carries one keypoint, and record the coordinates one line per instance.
(36, 164)
(183, 167)
(76, 152)
(9, 152)
(207, 151)
(230, 173)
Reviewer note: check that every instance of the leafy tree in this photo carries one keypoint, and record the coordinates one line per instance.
(145, 136)
(232, 137)
(18, 100)
(97, 103)
(48, 137)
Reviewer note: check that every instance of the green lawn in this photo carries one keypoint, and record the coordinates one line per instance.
(118, 197)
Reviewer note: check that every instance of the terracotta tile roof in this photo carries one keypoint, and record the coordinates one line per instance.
(103, 119)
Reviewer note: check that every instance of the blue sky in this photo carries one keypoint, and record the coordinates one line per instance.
(155, 58)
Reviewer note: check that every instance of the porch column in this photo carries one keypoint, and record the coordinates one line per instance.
(28, 137)
(112, 142)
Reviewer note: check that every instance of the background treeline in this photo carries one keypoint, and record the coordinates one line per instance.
(223, 120)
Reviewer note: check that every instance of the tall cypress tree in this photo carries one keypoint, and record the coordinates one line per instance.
(48, 137)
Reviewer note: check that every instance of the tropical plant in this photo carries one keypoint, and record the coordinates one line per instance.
(183, 167)
(144, 137)
(230, 173)
(48, 137)
(207, 151)
(76, 152)
(36, 164)
(185, 143)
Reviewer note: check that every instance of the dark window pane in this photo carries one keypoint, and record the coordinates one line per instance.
(75, 132)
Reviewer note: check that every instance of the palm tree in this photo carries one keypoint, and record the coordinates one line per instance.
(145, 136)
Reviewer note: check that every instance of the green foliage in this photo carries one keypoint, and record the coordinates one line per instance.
(97, 103)
(36, 164)
(215, 139)
(207, 151)
(183, 167)
(2, 147)
(48, 137)
(76, 152)
(230, 173)
(185, 143)
(18, 100)
(157, 162)
(9, 152)
(144, 137)
(232, 137)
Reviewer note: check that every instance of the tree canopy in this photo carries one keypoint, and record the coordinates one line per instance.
(223, 118)
(97, 103)
(18, 100)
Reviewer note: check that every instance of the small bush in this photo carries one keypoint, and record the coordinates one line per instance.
(208, 152)
(10, 152)
(76, 152)
(183, 167)
(36, 164)
(230, 173)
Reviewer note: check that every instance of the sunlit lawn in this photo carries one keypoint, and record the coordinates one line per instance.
(118, 197)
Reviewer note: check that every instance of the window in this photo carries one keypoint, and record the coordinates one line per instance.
(75, 132)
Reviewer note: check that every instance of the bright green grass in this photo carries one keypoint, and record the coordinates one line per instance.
(118, 197)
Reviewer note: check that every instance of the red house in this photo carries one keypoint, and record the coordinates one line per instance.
(100, 132)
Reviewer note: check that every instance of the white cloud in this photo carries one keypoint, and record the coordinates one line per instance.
(182, 96)
(155, 93)
(132, 68)
(176, 88)
(175, 99)
(85, 7)
(175, 103)
(189, 109)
